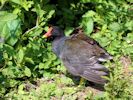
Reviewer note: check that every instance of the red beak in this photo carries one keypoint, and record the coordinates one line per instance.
(48, 34)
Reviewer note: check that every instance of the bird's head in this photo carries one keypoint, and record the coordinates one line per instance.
(54, 31)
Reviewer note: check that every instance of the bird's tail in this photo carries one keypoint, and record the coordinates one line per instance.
(95, 74)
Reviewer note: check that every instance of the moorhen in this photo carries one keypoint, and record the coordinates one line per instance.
(80, 54)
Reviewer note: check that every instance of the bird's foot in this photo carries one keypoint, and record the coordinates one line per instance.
(82, 83)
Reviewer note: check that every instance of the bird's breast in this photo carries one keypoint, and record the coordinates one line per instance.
(57, 45)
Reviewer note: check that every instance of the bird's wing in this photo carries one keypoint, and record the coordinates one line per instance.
(79, 58)
(97, 49)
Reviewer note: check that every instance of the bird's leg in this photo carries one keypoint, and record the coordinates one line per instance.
(82, 82)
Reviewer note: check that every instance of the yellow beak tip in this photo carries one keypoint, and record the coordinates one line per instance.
(44, 36)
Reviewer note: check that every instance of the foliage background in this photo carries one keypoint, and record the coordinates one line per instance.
(28, 68)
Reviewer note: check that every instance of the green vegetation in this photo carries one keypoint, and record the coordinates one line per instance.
(30, 71)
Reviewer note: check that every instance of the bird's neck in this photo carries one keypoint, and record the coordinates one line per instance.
(58, 38)
(57, 44)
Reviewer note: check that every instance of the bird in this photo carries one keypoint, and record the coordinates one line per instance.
(80, 54)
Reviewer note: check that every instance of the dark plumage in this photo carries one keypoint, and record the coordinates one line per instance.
(80, 54)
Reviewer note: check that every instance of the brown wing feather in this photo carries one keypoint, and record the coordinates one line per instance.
(97, 49)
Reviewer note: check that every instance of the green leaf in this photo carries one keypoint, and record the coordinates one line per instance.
(129, 25)
(36, 32)
(12, 83)
(58, 92)
(114, 26)
(24, 3)
(41, 65)
(88, 14)
(129, 38)
(69, 90)
(85, 1)
(21, 89)
(29, 60)
(47, 74)
(9, 49)
(131, 1)
(88, 25)
(27, 71)
(50, 14)
(5, 32)
(47, 64)
(20, 55)
(12, 71)
(104, 41)
(10, 27)
(68, 30)
(8, 72)
(16, 1)
(4, 16)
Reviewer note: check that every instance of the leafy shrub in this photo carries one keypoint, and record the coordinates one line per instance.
(25, 56)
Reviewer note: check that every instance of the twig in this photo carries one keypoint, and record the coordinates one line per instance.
(37, 24)
(2, 4)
